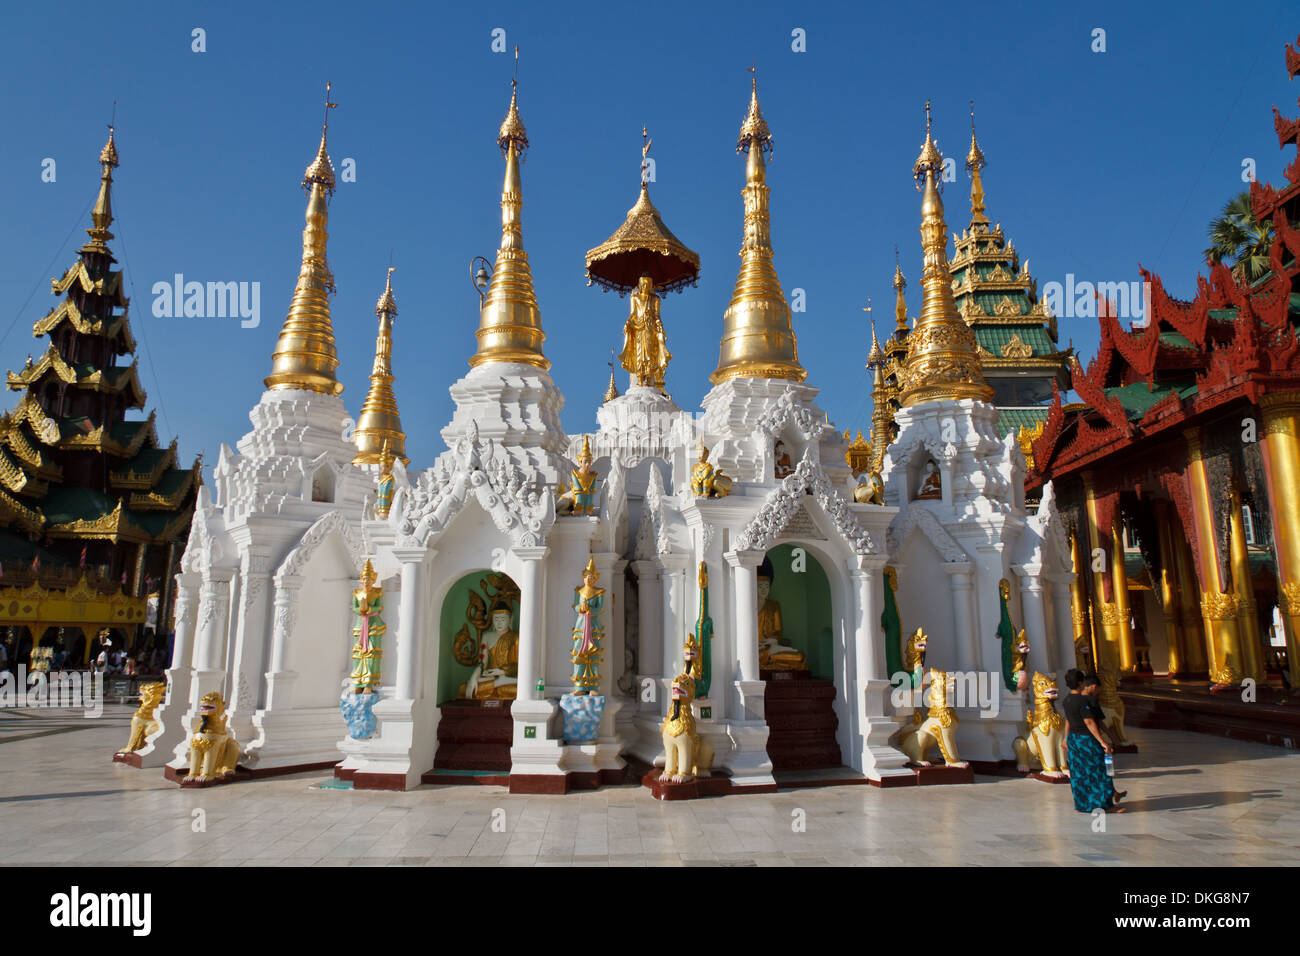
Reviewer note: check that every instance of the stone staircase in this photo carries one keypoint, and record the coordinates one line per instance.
(801, 724)
(474, 736)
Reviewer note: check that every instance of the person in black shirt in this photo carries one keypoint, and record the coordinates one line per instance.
(1091, 785)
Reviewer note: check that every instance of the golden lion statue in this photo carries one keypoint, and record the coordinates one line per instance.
(687, 754)
(142, 721)
(213, 752)
(914, 664)
(1046, 743)
(939, 726)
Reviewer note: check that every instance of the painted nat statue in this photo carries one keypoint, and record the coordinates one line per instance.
(687, 754)
(213, 752)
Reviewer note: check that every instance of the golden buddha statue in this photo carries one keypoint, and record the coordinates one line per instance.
(645, 350)
(772, 654)
(496, 677)
(784, 466)
(931, 484)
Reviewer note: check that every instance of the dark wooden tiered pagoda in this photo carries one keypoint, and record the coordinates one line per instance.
(93, 512)
(1188, 449)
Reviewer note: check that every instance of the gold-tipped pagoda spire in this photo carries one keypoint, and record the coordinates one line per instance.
(758, 338)
(510, 321)
(900, 300)
(101, 214)
(305, 356)
(941, 357)
(882, 416)
(379, 427)
(975, 163)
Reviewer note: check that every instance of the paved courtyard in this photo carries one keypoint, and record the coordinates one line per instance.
(1194, 800)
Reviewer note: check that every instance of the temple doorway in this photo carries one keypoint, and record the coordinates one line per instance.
(478, 669)
(796, 659)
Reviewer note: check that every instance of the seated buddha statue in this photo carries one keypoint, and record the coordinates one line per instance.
(496, 677)
(931, 484)
(772, 654)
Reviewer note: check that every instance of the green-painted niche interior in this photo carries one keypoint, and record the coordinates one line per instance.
(452, 674)
(804, 593)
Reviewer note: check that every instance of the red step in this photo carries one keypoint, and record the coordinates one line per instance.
(801, 724)
(474, 735)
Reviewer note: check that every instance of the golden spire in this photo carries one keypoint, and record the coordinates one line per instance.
(101, 214)
(379, 427)
(900, 303)
(975, 163)
(304, 356)
(941, 359)
(510, 322)
(757, 335)
(875, 356)
(611, 391)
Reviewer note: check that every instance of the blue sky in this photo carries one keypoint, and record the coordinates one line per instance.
(1097, 162)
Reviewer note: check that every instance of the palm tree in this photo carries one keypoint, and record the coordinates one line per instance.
(1239, 239)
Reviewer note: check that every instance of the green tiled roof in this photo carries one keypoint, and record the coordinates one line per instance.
(1137, 399)
(144, 462)
(62, 505)
(1176, 340)
(124, 432)
(1009, 418)
(994, 337)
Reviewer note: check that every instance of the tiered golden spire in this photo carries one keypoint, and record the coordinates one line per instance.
(900, 303)
(757, 335)
(510, 321)
(975, 163)
(941, 358)
(379, 427)
(102, 212)
(882, 418)
(304, 356)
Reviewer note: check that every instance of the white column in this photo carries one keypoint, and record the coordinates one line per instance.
(250, 639)
(650, 636)
(180, 676)
(617, 655)
(410, 627)
(1062, 641)
(748, 762)
(875, 725)
(1035, 618)
(214, 619)
(532, 619)
(963, 617)
(279, 678)
(673, 577)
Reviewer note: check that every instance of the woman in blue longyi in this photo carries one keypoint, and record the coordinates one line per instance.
(1089, 782)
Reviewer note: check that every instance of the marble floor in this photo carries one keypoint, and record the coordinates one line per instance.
(1194, 800)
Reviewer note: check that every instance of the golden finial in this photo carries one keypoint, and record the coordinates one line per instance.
(875, 356)
(585, 454)
(591, 568)
(510, 320)
(941, 359)
(754, 131)
(974, 164)
(379, 426)
(368, 575)
(512, 127)
(900, 302)
(305, 357)
(611, 391)
(758, 339)
(101, 214)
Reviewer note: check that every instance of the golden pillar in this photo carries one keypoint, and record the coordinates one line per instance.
(1175, 637)
(1252, 653)
(1123, 610)
(1218, 606)
(1282, 470)
(1105, 614)
(1189, 611)
(1085, 650)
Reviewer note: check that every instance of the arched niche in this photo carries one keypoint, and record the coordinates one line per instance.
(322, 484)
(803, 591)
(465, 620)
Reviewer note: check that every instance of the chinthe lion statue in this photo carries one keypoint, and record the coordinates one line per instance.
(939, 726)
(914, 664)
(213, 752)
(142, 721)
(1046, 742)
(687, 754)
